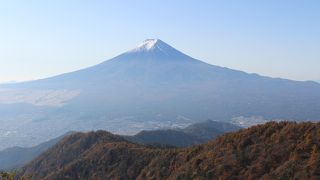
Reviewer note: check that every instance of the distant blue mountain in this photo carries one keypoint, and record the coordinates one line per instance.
(149, 87)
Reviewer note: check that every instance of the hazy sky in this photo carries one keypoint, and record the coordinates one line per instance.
(278, 38)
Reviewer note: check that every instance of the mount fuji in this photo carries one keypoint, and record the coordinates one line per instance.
(151, 86)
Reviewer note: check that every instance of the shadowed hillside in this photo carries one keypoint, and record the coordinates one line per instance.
(194, 134)
(272, 151)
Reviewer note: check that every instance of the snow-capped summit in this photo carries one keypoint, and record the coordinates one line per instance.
(157, 49)
(147, 45)
(153, 45)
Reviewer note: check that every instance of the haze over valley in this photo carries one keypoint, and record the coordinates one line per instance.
(149, 87)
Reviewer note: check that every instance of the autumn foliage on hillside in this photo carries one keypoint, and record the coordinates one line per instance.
(274, 150)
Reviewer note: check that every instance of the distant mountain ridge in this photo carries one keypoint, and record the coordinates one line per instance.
(194, 134)
(282, 150)
(152, 86)
(16, 157)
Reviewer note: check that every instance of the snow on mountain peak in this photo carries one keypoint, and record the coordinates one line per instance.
(147, 45)
(159, 48)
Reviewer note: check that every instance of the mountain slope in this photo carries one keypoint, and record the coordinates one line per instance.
(272, 151)
(150, 87)
(197, 133)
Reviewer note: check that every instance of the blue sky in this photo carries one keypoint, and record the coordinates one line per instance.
(270, 37)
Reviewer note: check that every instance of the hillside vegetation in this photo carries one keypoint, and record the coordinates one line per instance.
(284, 150)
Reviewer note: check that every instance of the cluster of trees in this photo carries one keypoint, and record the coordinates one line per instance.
(272, 151)
(284, 150)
